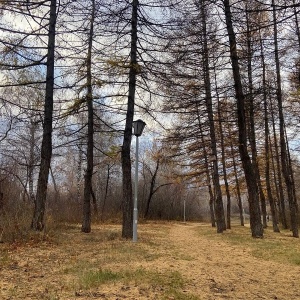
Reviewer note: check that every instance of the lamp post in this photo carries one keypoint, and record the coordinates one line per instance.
(184, 212)
(138, 127)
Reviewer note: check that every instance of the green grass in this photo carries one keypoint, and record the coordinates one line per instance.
(278, 247)
(115, 251)
(94, 278)
(169, 283)
(88, 275)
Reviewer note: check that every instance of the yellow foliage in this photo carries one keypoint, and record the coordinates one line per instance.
(118, 63)
(113, 151)
(74, 106)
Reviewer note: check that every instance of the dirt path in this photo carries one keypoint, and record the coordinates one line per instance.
(212, 269)
(221, 271)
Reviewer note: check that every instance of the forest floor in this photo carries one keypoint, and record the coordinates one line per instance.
(169, 261)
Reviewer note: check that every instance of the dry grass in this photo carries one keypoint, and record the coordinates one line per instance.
(170, 261)
(277, 247)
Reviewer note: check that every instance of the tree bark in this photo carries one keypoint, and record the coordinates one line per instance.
(38, 222)
(208, 174)
(86, 221)
(267, 170)
(252, 135)
(106, 192)
(152, 190)
(209, 185)
(279, 187)
(223, 158)
(285, 165)
(32, 129)
(127, 225)
(267, 144)
(79, 171)
(255, 214)
(297, 25)
(237, 184)
(219, 209)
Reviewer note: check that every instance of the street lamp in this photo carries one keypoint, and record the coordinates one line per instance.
(138, 127)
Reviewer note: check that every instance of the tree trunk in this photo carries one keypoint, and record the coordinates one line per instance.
(208, 174)
(297, 24)
(106, 192)
(78, 175)
(127, 226)
(255, 214)
(279, 187)
(275, 181)
(236, 177)
(152, 191)
(228, 219)
(219, 209)
(291, 172)
(209, 185)
(267, 144)
(237, 184)
(267, 171)
(252, 135)
(286, 168)
(32, 128)
(38, 222)
(86, 221)
(228, 208)
(57, 195)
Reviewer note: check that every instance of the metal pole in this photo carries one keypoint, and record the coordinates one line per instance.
(184, 211)
(135, 209)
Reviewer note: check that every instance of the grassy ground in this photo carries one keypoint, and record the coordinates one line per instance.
(170, 261)
(277, 247)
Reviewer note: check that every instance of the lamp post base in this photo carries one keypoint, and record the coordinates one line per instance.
(135, 218)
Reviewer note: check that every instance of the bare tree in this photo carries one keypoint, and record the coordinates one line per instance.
(88, 189)
(38, 222)
(126, 160)
(286, 167)
(255, 214)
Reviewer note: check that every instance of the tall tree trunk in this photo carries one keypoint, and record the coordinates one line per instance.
(267, 169)
(286, 167)
(237, 184)
(152, 190)
(291, 171)
(106, 192)
(279, 187)
(208, 174)
(78, 175)
(219, 209)
(255, 214)
(223, 158)
(86, 221)
(32, 128)
(236, 176)
(38, 222)
(127, 226)
(57, 195)
(267, 144)
(252, 135)
(297, 24)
